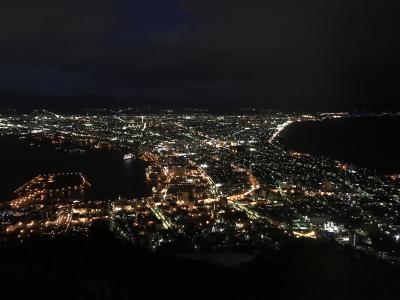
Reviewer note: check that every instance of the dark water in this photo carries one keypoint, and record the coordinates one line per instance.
(108, 173)
(369, 142)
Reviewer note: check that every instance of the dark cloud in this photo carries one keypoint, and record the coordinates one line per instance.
(301, 52)
(32, 20)
(283, 53)
(51, 32)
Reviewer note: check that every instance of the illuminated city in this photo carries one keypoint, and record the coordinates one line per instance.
(199, 149)
(216, 183)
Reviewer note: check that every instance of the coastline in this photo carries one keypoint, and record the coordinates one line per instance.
(319, 138)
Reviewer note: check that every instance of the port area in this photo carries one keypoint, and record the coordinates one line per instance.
(43, 187)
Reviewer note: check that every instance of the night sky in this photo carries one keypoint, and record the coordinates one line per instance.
(289, 54)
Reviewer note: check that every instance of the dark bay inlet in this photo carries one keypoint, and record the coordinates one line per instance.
(370, 142)
(109, 174)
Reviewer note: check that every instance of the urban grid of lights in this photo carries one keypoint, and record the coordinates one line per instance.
(217, 181)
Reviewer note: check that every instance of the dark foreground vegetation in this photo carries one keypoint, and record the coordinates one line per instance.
(107, 268)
